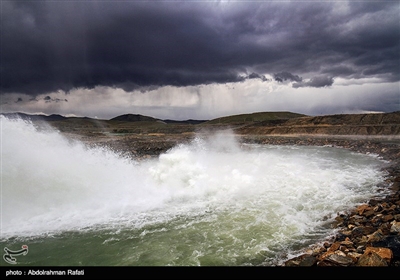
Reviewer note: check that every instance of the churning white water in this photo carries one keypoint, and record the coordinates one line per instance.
(212, 201)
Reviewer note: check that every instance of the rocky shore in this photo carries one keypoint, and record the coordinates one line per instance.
(368, 235)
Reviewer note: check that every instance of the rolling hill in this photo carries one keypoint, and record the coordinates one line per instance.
(341, 124)
(254, 118)
(261, 123)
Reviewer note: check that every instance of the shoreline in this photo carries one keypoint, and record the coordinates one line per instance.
(368, 235)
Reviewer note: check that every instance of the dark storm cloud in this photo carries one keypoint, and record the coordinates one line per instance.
(48, 99)
(257, 76)
(55, 45)
(318, 82)
(284, 76)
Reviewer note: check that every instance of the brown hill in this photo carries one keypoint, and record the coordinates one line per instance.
(260, 123)
(274, 117)
(134, 118)
(341, 124)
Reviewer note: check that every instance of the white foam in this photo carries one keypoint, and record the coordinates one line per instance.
(51, 184)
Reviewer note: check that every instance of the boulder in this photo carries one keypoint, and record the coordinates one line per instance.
(339, 259)
(395, 228)
(391, 242)
(375, 256)
(302, 260)
(371, 259)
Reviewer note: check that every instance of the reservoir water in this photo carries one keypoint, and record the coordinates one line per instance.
(212, 202)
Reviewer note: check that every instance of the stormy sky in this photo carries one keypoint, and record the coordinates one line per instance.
(199, 59)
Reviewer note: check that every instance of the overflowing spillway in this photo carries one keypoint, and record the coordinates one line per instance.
(210, 202)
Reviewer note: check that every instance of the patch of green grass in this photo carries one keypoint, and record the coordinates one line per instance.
(254, 117)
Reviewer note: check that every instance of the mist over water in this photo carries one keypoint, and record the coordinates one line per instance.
(211, 202)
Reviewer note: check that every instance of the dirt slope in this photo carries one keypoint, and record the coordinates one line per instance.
(344, 124)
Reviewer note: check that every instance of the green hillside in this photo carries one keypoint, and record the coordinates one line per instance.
(254, 117)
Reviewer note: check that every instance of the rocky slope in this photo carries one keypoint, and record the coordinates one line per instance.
(345, 124)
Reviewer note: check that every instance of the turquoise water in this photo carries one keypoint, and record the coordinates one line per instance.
(213, 202)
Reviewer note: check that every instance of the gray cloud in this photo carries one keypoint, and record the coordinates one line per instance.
(318, 82)
(284, 76)
(257, 76)
(63, 45)
(48, 99)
